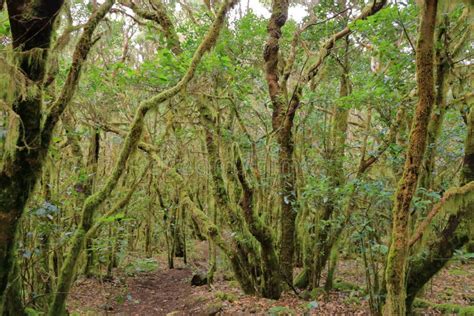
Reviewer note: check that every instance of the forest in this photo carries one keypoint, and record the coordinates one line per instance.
(236, 157)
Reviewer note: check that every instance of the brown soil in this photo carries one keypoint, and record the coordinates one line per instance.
(158, 293)
(169, 291)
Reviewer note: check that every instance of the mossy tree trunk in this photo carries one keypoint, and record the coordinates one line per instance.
(149, 218)
(271, 278)
(455, 230)
(398, 253)
(468, 161)
(447, 49)
(262, 275)
(284, 108)
(13, 304)
(131, 142)
(91, 169)
(335, 172)
(22, 167)
(440, 106)
(282, 123)
(218, 187)
(158, 13)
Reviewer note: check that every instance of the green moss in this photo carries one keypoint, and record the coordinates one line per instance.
(233, 283)
(345, 286)
(302, 279)
(466, 311)
(199, 299)
(281, 310)
(214, 308)
(141, 265)
(420, 303)
(306, 295)
(352, 300)
(120, 299)
(458, 272)
(223, 296)
(448, 292)
(445, 308)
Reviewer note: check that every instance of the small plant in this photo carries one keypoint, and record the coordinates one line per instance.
(141, 265)
(317, 292)
(280, 310)
(223, 296)
(458, 272)
(353, 300)
(345, 286)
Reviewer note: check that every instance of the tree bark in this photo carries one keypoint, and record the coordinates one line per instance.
(22, 167)
(440, 106)
(335, 171)
(130, 144)
(282, 123)
(398, 253)
(454, 233)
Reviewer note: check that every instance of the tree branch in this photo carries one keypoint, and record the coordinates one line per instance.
(80, 55)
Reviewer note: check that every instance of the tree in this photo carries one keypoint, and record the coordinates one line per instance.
(278, 143)
(398, 253)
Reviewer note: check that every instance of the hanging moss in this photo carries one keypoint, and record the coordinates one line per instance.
(131, 142)
(468, 162)
(23, 164)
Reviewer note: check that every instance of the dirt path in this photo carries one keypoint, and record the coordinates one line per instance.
(162, 292)
(169, 292)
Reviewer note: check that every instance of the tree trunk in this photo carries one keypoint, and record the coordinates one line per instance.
(282, 123)
(335, 171)
(22, 167)
(455, 232)
(91, 169)
(440, 106)
(398, 253)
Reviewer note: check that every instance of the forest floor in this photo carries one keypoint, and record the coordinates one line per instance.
(148, 287)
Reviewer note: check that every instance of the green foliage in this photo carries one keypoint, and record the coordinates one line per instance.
(345, 286)
(113, 218)
(225, 296)
(280, 310)
(32, 312)
(463, 256)
(141, 265)
(4, 26)
(231, 83)
(47, 209)
(312, 305)
(317, 293)
(353, 300)
(445, 308)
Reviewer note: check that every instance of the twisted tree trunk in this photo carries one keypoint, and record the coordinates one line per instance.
(282, 123)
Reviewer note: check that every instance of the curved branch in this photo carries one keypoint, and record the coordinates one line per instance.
(329, 43)
(80, 55)
(453, 199)
(159, 16)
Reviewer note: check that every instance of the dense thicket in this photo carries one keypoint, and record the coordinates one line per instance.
(133, 128)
